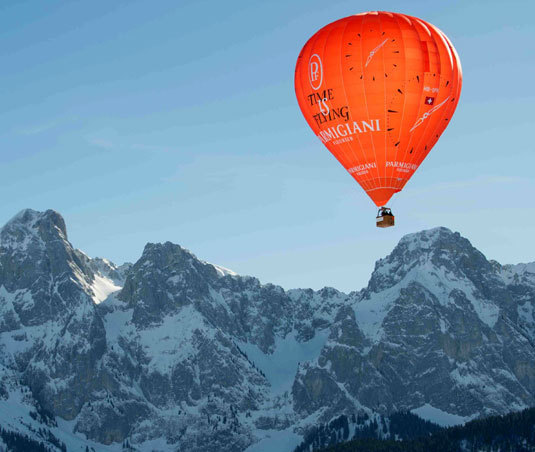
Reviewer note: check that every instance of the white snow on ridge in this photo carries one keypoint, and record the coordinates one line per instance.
(423, 239)
(523, 268)
(280, 367)
(116, 322)
(510, 273)
(27, 228)
(371, 312)
(487, 311)
(442, 418)
(102, 287)
(168, 345)
(276, 440)
(222, 271)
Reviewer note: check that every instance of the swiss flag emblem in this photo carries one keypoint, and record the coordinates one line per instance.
(429, 100)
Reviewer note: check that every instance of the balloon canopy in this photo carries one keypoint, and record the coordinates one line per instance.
(378, 89)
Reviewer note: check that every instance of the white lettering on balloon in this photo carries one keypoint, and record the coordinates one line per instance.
(346, 130)
(315, 71)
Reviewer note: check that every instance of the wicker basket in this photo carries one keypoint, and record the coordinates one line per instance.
(385, 221)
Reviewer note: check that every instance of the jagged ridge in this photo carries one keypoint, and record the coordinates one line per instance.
(190, 354)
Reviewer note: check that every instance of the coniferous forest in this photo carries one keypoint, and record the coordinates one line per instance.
(16, 442)
(404, 432)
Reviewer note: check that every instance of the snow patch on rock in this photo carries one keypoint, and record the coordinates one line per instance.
(280, 367)
(442, 418)
(102, 288)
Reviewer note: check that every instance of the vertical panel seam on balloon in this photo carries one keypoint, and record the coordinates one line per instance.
(446, 45)
(457, 58)
(445, 111)
(325, 65)
(404, 48)
(453, 68)
(345, 95)
(416, 22)
(457, 72)
(413, 27)
(396, 19)
(347, 102)
(373, 181)
(441, 114)
(423, 133)
(365, 99)
(458, 68)
(396, 149)
(384, 95)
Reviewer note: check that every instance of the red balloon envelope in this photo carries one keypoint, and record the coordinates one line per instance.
(378, 89)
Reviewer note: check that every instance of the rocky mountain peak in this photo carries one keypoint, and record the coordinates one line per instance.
(165, 278)
(44, 274)
(29, 226)
(427, 238)
(175, 260)
(190, 355)
(166, 254)
(432, 243)
(34, 251)
(437, 250)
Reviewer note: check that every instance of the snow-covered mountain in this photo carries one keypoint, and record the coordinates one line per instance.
(437, 325)
(175, 353)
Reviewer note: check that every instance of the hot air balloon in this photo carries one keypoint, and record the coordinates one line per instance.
(378, 89)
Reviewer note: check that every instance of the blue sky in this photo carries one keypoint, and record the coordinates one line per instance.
(176, 120)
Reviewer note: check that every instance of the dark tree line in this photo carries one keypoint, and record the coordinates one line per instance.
(402, 425)
(17, 442)
(514, 432)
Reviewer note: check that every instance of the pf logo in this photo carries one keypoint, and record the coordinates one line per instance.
(315, 71)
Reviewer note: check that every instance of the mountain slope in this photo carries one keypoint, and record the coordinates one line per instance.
(175, 352)
(438, 324)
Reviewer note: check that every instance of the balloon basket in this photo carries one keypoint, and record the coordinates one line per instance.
(384, 218)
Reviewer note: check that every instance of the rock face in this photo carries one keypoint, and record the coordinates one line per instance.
(176, 352)
(438, 324)
(48, 314)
